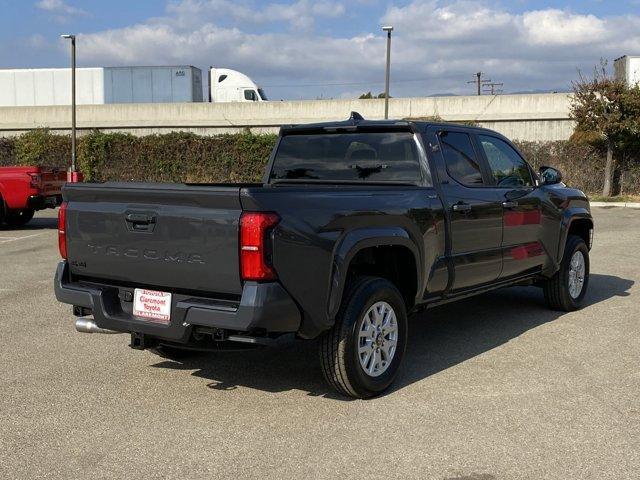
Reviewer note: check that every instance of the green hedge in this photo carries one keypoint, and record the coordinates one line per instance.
(7, 151)
(38, 147)
(186, 157)
(174, 157)
(171, 157)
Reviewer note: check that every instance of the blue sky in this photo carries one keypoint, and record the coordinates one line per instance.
(328, 48)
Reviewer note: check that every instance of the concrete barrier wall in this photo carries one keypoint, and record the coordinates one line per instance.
(522, 117)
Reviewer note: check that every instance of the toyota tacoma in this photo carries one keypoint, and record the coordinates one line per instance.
(355, 225)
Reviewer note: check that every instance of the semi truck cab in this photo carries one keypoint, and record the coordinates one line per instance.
(226, 85)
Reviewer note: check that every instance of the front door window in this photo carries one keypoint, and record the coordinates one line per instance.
(507, 167)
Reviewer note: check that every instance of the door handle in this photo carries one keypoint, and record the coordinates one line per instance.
(509, 204)
(462, 207)
(140, 222)
(141, 218)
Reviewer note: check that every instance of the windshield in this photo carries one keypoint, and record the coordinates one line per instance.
(372, 156)
(262, 95)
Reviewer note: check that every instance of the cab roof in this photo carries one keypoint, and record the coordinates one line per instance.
(357, 121)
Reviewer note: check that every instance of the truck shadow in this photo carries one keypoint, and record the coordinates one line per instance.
(439, 339)
(38, 223)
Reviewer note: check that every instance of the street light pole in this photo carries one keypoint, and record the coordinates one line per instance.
(73, 169)
(387, 29)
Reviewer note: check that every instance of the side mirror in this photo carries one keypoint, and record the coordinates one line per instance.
(550, 175)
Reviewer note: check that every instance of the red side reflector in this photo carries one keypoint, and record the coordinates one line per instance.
(62, 230)
(254, 229)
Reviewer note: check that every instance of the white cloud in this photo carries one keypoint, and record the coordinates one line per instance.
(437, 45)
(299, 15)
(37, 41)
(60, 8)
(274, 54)
(556, 27)
(434, 20)
(538, 49)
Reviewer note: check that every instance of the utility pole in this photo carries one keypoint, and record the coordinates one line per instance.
(480, 82)
(73, 171)
(387, 29)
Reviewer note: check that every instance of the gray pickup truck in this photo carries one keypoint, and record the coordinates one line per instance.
(355, 225)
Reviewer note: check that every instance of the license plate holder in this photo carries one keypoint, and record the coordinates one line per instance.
(152, 305)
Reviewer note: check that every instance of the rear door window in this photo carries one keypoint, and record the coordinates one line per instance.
(460, 158)
(359, 157)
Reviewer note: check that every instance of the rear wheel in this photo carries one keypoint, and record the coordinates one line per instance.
(19, 218)
(567, 288)
(362, 353)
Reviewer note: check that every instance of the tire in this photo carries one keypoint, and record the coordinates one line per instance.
(344, 366)
(19, 218)
(173, 353)
(558, 289)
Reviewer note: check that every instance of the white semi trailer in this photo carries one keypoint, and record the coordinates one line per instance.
(52, 86)
(104, 85)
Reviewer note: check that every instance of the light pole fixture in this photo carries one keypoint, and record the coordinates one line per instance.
(387, 29)
(73, 176)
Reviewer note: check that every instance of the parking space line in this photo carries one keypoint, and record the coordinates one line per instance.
(13, 239)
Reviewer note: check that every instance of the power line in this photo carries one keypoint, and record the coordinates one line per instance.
(491, 89)
(340, 84)
(481, 82)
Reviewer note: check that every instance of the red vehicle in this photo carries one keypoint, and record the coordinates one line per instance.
(23, 190)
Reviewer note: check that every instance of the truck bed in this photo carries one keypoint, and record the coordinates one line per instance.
(30, 186)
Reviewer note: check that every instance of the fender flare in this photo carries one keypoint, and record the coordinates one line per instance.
(355, 241)
(568, 217)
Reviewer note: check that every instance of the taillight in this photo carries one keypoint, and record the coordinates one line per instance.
(255, 227)
(62, 230)
(36, 180)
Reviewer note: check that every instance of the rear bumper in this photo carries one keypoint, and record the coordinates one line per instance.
(263, 306)
(40, 202)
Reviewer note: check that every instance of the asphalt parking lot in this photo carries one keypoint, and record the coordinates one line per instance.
(494, 387)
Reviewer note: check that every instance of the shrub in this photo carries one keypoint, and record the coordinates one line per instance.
(106, 156)
(7, 151)
(581, 166)
(174, 157)
(41, 147)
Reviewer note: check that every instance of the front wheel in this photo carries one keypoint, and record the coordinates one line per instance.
(566, 290)
(19, 218)
(362, 353)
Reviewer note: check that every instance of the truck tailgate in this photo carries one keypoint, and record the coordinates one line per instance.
(52, 181)
(164, 236)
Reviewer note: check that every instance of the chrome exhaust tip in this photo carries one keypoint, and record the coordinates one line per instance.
(84, 325)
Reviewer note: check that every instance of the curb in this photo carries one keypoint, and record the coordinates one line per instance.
(616, 204)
